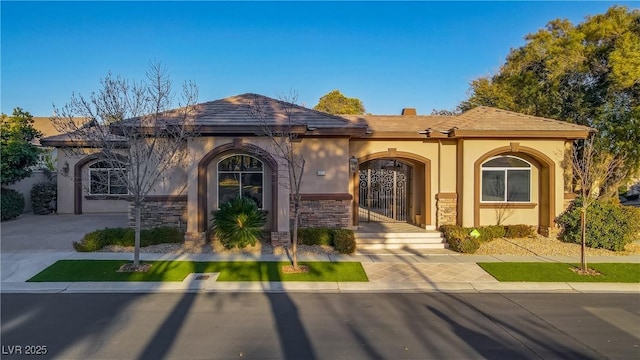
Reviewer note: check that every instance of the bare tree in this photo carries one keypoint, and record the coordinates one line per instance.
(283, 133)
(136, 139)
(592, 169)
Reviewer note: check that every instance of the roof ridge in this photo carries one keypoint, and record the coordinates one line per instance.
(283, 102)
(543, 118)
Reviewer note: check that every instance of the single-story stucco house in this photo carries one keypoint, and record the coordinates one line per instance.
(481, 167)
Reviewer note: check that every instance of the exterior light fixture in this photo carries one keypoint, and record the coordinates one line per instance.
(353, 164)
(65, 169)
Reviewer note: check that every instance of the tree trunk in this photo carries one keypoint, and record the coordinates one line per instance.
(583, 235)
(136, 252)
(294, 247)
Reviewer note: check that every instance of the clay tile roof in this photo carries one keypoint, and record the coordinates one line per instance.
(240, 111)
(488, 118)
(479, 120)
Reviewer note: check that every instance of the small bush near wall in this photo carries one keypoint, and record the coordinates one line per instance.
(488, 233)
(98, 239)
(42, 194)
(12, 204)
(519, 231)
(609, 225)
(459, 239)
(344, 241)
(315, 236)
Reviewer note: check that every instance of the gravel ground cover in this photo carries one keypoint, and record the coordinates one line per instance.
(542, 246)
(217, 248)
(539, 245)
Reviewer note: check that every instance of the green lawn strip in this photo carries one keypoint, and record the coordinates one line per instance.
(561, 272)
(105, 270)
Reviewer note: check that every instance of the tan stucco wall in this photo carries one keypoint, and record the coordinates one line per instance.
(331, 156)
(66, 188)
(447, 166)
(475, 149)
(173, 182)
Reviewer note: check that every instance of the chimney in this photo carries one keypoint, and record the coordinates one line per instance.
(409, 111)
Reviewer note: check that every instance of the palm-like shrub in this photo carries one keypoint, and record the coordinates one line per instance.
(238, 223)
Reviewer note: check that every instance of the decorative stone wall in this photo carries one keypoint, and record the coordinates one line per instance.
(446, 209)
(281, 238)
(161, 211)
(324, 213)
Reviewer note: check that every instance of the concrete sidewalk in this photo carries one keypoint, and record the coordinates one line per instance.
(387, 272)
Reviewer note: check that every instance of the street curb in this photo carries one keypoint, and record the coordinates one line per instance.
(210, 286)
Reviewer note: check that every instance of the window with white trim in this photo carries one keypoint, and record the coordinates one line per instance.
(240, 175)
(506, 179)
(107, 179)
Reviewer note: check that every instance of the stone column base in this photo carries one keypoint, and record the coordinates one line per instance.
(280, 238)
(195, 239)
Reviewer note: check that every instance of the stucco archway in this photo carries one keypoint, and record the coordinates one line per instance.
(406, 157)
(235, 147)
(546, 182)
(77, 180)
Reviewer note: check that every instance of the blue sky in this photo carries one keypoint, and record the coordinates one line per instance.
(390, 55)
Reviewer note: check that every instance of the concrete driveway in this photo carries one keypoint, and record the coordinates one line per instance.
(53, 232)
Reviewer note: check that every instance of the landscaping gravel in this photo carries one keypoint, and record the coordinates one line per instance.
(539, 246)
(542, 246)
(219, 249)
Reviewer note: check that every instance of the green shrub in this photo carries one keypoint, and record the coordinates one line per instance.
(344, 241)
(42, 194)
(238, 223)
(12, 204)
(160, 235)
(98, 239)
(459, 239)
(488, 233)
(315, 236)
(609, 225)
(90, 242)
(519, 231)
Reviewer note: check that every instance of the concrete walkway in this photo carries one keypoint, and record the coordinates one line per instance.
(387, 273)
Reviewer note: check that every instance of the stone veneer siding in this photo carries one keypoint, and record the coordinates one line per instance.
(280, 238)
(161, 212)
(446, 209)
(324, 213)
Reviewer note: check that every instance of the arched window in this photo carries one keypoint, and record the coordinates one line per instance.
(506, 179)
(108, 178)
(240, 175)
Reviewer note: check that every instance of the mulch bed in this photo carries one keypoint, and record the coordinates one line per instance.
(289, 269)
(129, 267)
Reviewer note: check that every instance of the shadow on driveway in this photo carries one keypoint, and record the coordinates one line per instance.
(53, 232)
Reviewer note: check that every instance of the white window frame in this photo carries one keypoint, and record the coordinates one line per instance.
(506, 180)
(108, 169)
(240, 172)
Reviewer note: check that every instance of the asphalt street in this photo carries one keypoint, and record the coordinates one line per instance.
(321, 326)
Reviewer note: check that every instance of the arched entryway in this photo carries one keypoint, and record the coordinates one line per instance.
(392, 187)
(206, 178)
(384, 190)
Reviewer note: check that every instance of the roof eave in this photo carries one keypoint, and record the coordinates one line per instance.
(544, 134)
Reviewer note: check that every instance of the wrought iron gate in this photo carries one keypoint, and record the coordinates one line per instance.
(384, 191)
